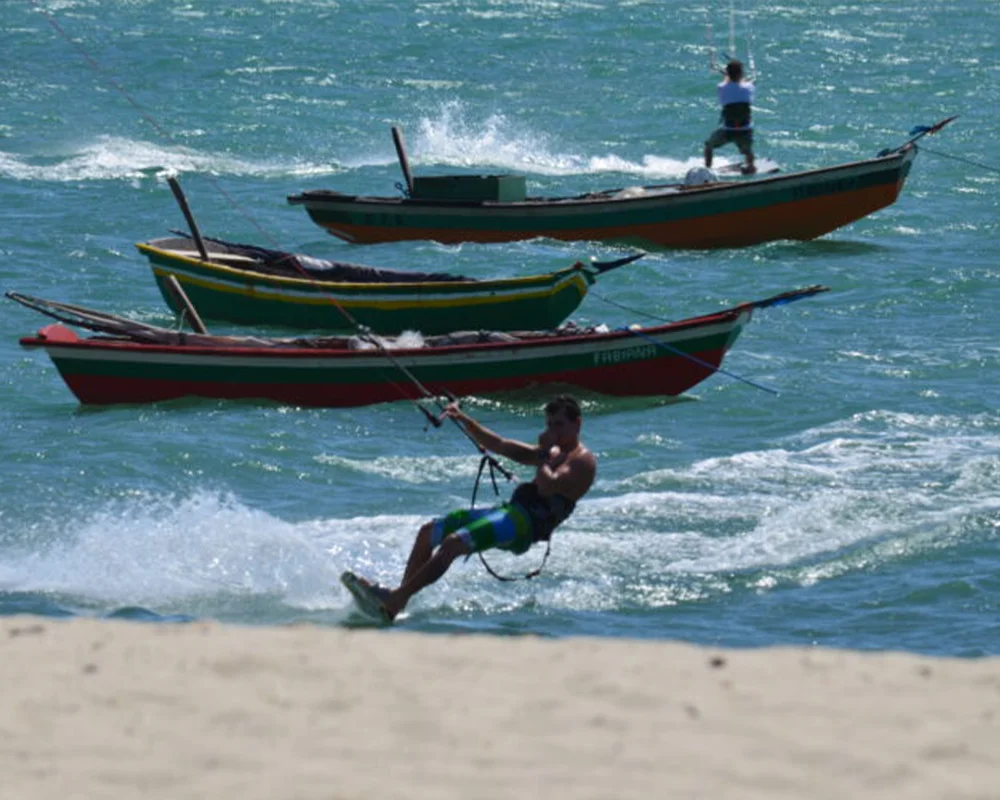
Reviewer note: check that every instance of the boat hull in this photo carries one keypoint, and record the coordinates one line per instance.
(662, 361)
(797, 206)
(241, 296)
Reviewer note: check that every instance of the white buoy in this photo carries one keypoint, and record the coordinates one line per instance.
(696, 176)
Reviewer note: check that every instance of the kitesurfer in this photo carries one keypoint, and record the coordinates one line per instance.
(736, 97)
(564, 471)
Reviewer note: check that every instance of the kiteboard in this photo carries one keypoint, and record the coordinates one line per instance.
(764, 167)
(367, 599)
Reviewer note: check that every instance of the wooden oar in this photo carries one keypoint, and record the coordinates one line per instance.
(97, 321)
(404, 162)
(185, 303)
(175, 187)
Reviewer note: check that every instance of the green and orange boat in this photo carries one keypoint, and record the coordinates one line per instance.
(700, 215)
(134, 362)
(259, 286)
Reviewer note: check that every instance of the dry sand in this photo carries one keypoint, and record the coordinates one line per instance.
(95, 709)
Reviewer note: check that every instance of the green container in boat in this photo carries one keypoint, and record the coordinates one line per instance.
(470, 188)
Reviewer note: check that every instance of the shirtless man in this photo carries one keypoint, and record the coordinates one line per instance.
(565, 470)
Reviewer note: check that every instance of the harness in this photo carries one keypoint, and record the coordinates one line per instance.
(495, 466)
(735, 116)
(546, 512)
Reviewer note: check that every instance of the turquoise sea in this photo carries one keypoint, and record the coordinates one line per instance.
(857, 508)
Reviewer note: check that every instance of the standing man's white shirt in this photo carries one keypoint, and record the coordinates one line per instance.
(742, 92)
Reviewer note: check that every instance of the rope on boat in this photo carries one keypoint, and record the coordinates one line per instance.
(961, 159)
(701, 362)
(629, 309)
(770, 302)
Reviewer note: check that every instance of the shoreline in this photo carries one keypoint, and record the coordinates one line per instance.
(97, 708)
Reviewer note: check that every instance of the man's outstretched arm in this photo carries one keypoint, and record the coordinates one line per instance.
(520, 452)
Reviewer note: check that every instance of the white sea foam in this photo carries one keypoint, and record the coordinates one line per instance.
(155, 550)
(453, 137)
(852, 495)
(118, 158)
(450, 138)
(411, 470)
(896, 483)
(165, 552)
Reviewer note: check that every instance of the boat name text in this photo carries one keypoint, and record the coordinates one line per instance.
(626, 354)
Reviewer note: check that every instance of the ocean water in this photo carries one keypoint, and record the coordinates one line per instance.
(857, 508)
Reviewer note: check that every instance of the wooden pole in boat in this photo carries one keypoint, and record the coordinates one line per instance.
(404, 162)
(175, 187)
(185, 303)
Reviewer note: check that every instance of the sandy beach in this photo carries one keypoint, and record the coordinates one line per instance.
(95, 709)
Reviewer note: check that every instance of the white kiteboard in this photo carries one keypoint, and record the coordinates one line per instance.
(367, 600)
(764, 167)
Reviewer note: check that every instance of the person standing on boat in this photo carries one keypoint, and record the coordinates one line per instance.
(564, 472)
(736, 97)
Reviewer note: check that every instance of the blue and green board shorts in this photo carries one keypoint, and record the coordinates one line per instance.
(505, 527)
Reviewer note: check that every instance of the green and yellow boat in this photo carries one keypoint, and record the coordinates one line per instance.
(253, 285)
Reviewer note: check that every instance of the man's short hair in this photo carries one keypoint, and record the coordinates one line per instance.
(566, 404)
(734, 69)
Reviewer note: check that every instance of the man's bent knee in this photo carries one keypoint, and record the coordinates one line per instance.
(425, 532)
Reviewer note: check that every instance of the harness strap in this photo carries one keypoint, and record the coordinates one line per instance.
(495, 466)
(735, 116)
